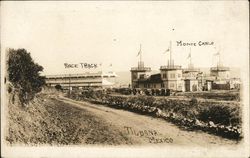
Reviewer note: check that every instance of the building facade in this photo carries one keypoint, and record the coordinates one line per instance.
(192, 79)
(220, 73)
(172, 77)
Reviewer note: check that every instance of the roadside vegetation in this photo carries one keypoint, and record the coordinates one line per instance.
(218, 117)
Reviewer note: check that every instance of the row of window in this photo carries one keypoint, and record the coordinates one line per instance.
(148, 86)
(171, 75)
(142, 76)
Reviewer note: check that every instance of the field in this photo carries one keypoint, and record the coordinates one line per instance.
(232, 95)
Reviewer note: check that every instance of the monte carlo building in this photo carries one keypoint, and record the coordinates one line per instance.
(170, 76)
(176, 78)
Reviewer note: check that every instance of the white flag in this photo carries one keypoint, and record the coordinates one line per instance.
(139, 51)
(189, 56)
(217, 54)
(166, 51)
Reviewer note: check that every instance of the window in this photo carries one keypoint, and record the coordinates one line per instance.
(171, 85)
(179, 86)
(145, 85)
(179, 75)
(134, 76)
(162, 85)
(164, 76)
(142, 76)
(172, 75)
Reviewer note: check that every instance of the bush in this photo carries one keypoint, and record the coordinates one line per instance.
(221, 113)
(58, 87)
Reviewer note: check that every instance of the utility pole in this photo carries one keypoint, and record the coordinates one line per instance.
(69, 85)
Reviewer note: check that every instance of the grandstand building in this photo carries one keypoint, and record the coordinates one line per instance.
(81, 81)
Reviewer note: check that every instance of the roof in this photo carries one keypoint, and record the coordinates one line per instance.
(219, 68)
(86, 74)
(171, 67)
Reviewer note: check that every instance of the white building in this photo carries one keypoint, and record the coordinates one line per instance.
(84, 80)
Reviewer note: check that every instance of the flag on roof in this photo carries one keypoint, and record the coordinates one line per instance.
(139, 51)
(166, 51)
(189, 56)
(218, 53)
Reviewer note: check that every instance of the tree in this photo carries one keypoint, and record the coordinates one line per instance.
(24, 74)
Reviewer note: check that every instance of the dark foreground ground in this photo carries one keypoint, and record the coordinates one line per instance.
(56, 120)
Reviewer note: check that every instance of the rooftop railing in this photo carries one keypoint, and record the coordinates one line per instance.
(220, 68)
(191, 70)
(141, 68)
(170, 67)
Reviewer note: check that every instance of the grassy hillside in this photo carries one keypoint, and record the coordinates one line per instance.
(48, 121)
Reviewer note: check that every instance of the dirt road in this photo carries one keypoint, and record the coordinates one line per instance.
(145, 130)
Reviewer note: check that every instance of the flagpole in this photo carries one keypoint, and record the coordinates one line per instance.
(167, 56)
(167, 59)
(100, 65)
(170, 49)
(140, 54)
(190, 58)
(219, 60)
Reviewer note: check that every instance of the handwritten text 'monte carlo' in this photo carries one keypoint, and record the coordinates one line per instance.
(199, 43)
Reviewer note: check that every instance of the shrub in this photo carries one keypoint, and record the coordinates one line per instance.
(58, 87)
(221, 113)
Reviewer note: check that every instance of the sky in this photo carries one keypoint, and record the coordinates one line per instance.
(111, 32)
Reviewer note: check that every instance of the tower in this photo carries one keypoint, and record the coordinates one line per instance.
(140, 72)
(219, 71)
(192, 76)
(171, 74)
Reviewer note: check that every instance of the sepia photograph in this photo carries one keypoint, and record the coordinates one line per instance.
(124, 79)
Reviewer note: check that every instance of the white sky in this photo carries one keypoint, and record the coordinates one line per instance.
(111, 32)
